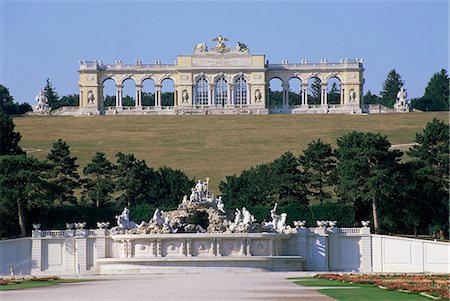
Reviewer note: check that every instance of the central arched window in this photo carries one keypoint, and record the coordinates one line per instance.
(201, 91)
(221, 92)
(240, 91)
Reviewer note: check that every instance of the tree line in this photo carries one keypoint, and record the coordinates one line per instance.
(363, 178)
(435, 97)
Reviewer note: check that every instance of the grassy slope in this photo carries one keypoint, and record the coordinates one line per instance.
(213, 146)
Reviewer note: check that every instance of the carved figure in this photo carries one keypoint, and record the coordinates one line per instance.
(352, 95)
(123, 221)
(184, 96)
(241, 47)
(220, 47)
(258, 95)
(247, 218)
(91, 97)
(220, 205)
(42, 107)
(158, 218)
(401, 104)
(201, 47)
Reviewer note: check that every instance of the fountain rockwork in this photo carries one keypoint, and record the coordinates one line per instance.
(200, 235)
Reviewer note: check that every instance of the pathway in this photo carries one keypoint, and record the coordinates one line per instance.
(166, 287)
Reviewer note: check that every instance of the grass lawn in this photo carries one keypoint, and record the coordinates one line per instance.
(355, 292)
(37, 283)
(207, 146)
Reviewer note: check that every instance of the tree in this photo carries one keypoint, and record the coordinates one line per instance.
(173, 186)
(101, 182)
(367, 171)
(370, 98)
(24, 183)
(315, 91)
(65, 175)
(9, 106)
(318, 162)
(136, 182)
(391, 86)
(70, 100)
(9, 140)
(52, 95)
(334, 96)
(436, 96)
(430, 182)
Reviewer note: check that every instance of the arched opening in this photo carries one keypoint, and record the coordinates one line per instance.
(109, 93)
(167, 93)
(314, 91)
(240, 91)
(201, 91)
(275, 92)
(148, 93)
(334, 91)
(129, 93)
(295, 91)
(221, 92)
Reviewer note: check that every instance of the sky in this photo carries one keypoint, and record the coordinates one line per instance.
(46, 39)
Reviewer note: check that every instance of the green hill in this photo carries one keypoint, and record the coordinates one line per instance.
(202, 146)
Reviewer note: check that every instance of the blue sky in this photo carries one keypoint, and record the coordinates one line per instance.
(40, 39)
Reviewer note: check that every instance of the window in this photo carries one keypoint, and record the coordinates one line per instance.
(221, 92)
(240, 91)
(201, 91)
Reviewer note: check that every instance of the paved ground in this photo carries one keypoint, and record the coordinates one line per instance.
(166, 287)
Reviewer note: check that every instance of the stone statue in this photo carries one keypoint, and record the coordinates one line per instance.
(193, 196)
(42, 107)
(221, 47)
(184, 96)
(401, 104)
(200, 47)
(199, 187)
(91, 97)
(258, 95)
(123, 221)
(241, 47)
(220, 205)
(158, 218)
(352, 95)
(247, 218)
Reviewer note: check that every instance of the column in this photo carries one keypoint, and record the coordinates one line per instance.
(249, 95)
(158, 96)
(138, 103)
(230, 95)
(211, 95)
(341, 96)
(305, 95)
(285, 95)
(324, 94)
(119, 90)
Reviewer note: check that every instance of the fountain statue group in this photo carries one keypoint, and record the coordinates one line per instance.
(200, 213)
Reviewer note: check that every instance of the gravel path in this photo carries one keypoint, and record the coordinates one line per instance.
(165, 287)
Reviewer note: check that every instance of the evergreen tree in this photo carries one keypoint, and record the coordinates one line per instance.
(65, 175)
(24, 184)
(334, 96)
(315, 91)
(370, 98)
(101, 183)
(52, 95)
(173, 186)
(136, 182)
(9, 140)
(429, 184)
(318, 162)
(391, 86)
(436, 96)
(367, 172)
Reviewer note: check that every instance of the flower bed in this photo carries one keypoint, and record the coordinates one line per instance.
(22, 279)
(433, 285)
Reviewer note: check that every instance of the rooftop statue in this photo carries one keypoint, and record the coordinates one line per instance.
(221, 47)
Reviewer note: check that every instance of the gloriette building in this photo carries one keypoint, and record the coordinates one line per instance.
(225, 80)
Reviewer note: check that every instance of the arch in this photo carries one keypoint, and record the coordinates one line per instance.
(109, 92)
(240, 91)
(165, 77)
(314, 90)
(275, 92)
(221, 91)
(201, 93)
(129, 92)
(236, 76)
(295, 91)
(148, 92)
(314, 75)
(167, 92)
(146, 77)
(333, 90)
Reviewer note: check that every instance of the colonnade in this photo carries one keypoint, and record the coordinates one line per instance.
(138, 96)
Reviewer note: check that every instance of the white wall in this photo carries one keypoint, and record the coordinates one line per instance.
(406, 255)
(16, 253)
